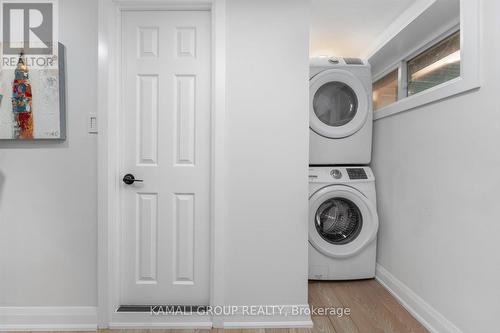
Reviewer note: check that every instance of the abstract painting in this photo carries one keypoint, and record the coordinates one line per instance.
(32, 100)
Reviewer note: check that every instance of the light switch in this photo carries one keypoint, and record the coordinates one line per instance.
(92, 123)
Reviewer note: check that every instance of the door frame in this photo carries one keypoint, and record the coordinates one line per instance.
(108, 186)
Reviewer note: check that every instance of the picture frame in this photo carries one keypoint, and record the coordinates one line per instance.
(46, 102)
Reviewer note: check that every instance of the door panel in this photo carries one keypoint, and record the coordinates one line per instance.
(184, 242)
(185, 114)
(165, 136)
(148, 118)
(147, 224)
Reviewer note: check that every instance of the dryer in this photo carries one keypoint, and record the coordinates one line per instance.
(343, 223)
(340, 111)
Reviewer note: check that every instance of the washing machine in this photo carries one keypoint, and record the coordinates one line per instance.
(343, 223)
(340, 111)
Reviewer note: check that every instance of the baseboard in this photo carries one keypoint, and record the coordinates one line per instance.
(288, 316)
(85, 319)
(161, 320)
(48, 318)
(429, 317)
(268, 324)
(188, 325)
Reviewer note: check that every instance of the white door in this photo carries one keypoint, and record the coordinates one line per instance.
(165, 141)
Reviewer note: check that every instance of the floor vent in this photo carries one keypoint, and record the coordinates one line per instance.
(162, 308)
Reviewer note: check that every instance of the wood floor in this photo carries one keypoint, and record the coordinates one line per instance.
(372, 310)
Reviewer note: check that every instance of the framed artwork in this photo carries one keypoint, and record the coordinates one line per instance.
(33, 100)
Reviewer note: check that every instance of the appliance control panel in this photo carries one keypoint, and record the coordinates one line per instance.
(339, 174)
(356, 173)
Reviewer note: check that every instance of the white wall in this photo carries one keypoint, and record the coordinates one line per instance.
(48, 190)
(48, 214)
(437, 170)
(267, 149)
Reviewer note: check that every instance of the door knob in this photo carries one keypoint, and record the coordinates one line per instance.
(129, 179)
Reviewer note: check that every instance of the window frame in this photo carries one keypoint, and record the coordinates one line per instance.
(395, 68)
(469, 78)
(442, 37)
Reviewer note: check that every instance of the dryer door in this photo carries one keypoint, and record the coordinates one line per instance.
(339, 104)
(342, 221)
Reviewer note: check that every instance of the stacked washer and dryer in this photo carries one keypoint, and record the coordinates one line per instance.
(343, 221)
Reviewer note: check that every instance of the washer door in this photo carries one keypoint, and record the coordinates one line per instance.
(342, 221)
(338, 104)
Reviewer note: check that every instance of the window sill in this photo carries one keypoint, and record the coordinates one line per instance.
(432, 95)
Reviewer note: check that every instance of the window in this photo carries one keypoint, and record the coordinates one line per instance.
(385, 90)
(429, 68)
(437, 56)
(438, 64)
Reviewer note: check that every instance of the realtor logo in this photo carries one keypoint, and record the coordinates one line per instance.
(28, 28)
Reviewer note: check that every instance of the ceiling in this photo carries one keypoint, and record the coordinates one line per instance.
(348, 28)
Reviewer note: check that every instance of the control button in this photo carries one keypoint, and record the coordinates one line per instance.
(333, 60)
(335, 173)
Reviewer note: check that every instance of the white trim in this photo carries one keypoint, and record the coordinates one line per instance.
(470, 65)
(218, 168)
(434, 94)
(386, 71)
(292, 316)
(402, 80)
(168, 326)
(429, 317)
(164, 325)
(146, 320)
(48, 318)
(435, 38)
(153, 5)
(108, 156)
(401, 22)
